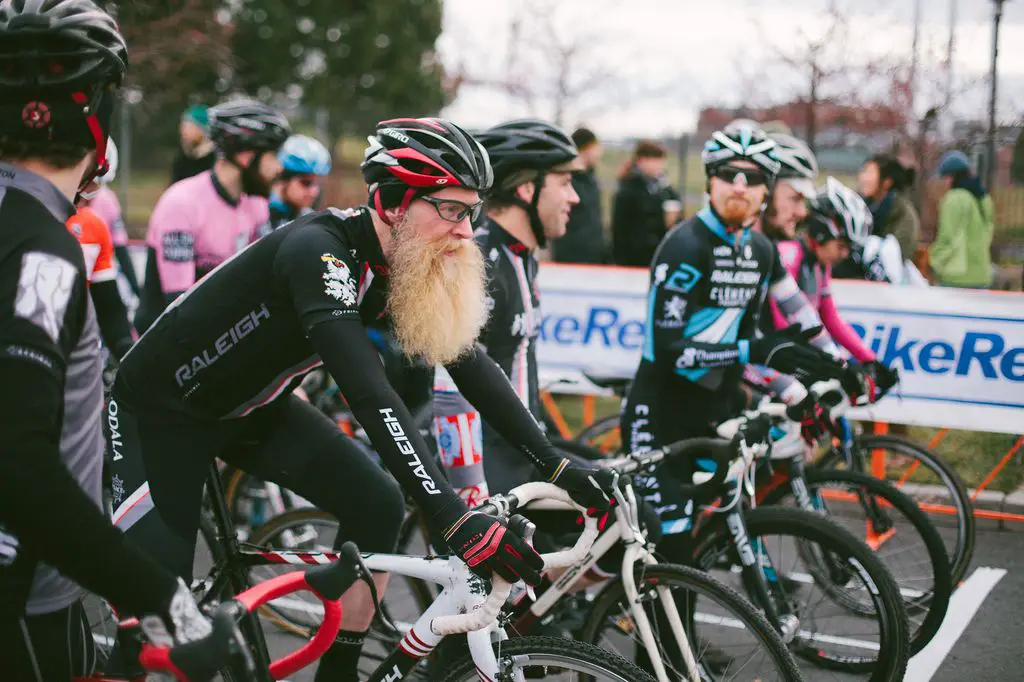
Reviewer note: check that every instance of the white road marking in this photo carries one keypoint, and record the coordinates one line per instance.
(965, 603)
(808, 578)
(725, 621)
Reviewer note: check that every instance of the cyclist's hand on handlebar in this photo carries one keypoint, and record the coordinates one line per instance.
(590, 488)
(180, 621)
(885, 377)
(814, 421)
(486, 544)
(788, 351)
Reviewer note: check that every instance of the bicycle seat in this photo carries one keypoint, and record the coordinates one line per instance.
(616, 383)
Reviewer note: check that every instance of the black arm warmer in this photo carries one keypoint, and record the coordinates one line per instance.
(51, 515)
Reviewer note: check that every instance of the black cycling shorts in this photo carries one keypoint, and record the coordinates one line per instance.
(161, 460)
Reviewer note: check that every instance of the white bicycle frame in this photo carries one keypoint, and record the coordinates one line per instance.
(625, 530)
(464, 605)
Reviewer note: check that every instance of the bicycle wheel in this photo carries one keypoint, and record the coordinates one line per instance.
(931, 482)
(550, 658)
(730, 639)
(897, 530)
(871, 639)
(602, 435)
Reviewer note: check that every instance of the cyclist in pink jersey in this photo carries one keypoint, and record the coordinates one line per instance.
(838, 218)
(201, 221)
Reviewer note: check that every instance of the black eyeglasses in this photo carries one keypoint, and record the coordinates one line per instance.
(751, 176)
(454, 211)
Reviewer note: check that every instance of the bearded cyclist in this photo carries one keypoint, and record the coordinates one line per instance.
(709, 279)
(305, 163)
(213, 377)
(199, 222)
(61, 62)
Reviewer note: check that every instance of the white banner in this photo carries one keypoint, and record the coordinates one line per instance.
(960, 352)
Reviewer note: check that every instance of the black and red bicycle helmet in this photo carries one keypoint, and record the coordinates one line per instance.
(407, 157)
(60, 62)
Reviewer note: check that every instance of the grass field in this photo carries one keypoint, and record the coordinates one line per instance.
(971, 453)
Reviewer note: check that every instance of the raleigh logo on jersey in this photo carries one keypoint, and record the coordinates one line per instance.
(222, 345)
(406, 448)
(338, 279)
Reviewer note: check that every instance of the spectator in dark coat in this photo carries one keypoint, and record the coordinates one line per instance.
(645, 205)
(584, 238)
(883, 182)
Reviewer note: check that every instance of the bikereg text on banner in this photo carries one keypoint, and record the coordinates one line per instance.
(960, 352)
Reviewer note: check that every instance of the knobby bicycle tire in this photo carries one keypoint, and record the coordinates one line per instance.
(961, 554)
(933, 604)
(703, 584)
(554, 651)
(893, 629)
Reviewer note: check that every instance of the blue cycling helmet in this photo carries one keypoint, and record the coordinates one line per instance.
(302, 155)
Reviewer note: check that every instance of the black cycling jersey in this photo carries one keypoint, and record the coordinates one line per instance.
(50, 414)
(244, 335)
(510, 338)
(707, 289)
(510, 335)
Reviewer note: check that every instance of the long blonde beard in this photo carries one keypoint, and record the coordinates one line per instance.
(436, 299)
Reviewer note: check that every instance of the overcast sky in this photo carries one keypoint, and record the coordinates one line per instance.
(662, 60)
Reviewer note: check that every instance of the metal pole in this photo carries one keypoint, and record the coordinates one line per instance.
(912, 76)
(684, 146)
(990, 170)
(124, 172)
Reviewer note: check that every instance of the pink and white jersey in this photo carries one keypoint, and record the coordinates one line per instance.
(815, 281)
(195, 227)
(107, 207)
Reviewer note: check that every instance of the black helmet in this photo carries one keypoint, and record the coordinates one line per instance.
(525, 150)
(521, 149)
(59, 62)
(245, 124)
(410, 156)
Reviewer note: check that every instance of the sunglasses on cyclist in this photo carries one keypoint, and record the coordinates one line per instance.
(751, 177)
(454, 211)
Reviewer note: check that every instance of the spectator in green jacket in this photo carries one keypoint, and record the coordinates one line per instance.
(960, 255)
(883, 182)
